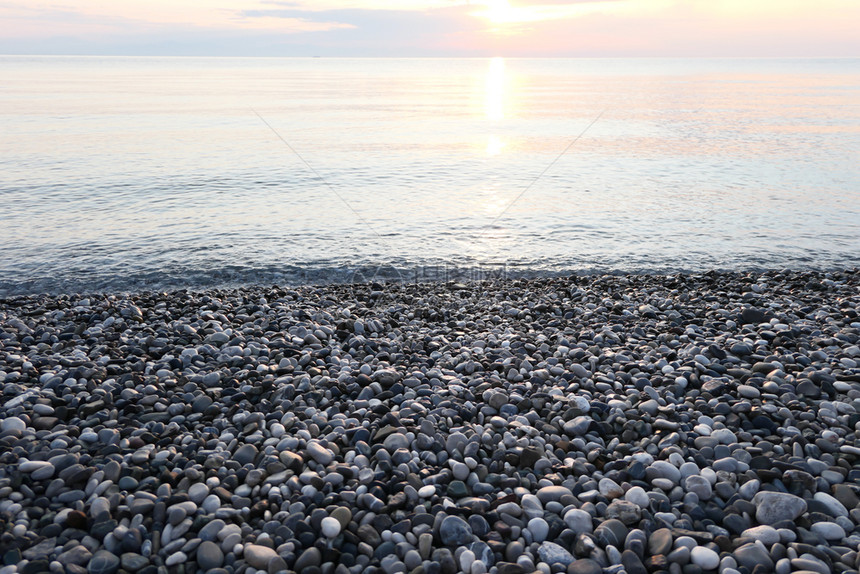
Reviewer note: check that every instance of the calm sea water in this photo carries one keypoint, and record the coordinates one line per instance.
(153, 173)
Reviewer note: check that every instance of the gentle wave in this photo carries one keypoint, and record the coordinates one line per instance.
(130, 174)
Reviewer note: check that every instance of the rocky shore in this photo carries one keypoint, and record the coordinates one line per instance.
(683, 424)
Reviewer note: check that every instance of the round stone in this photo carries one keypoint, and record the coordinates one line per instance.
(579, 521)
(773, 507)
(395, 441)
(319, 453)
(427, 491)
(700, 486)
(551, 553)
(209, 555)
(539, 529)
(198, 492)
(245, 454)
(660, 541)
(330, 527)
(103, 562)
(705, 558)
(767, 534)
(637, 496)
(454, 531)
(258, 556)
(460, 471)
(13, 423)
(828, 530)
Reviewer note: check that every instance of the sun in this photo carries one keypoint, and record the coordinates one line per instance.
(499, 12)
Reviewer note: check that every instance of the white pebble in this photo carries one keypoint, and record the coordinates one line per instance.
(705, 558)
(427, 491)
(330, 527)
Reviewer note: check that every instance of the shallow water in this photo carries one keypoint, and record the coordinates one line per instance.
(153, 173)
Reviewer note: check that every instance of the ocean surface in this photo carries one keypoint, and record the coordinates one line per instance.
(126, 174)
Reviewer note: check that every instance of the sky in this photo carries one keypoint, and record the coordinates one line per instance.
(400, 28)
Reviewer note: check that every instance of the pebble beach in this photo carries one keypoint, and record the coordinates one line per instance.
(592, 424)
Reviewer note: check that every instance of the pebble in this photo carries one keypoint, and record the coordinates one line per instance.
(319, 453)
(774, 507)
(209, 555)
(427, 491)
(588, 424)
(551, 553)
(766, 534)
(705, 558)
(539, 529)
(579, 521)
(103, 562)
(454, 531)
(330, 527)
(828, 530)
(258, 556)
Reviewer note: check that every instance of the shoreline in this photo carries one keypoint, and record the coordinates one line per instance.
(427, 275)
(486, 275)
(591, 423)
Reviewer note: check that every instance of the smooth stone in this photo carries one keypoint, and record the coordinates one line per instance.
(632, 563)
(809, 565)
(584, 566)
(103, 562)
(611, 532)
(427, 491)
(577, 426)
(834, 507)
(259, 556)
(705, 558)
(626, 512)
(773, 507)
(320, 454)
(133, 562)
(637, 496)
(13, 424)
(767, 534)
(454, 531)
(330, 527)
(828, 530)
(700, 486)
(309, 558)
(209, 555)
(198, 492)
(34, 465)
(460, 471)
(748, 392)
(552, 493)
(343, 515)
(395, 441)
(551, 553)
(664, 469)
(579, 521)
(175, 559)
(539, 529)
(609, 488)
(78, 555)
(660, 541)
(245, 454)
(751, 555)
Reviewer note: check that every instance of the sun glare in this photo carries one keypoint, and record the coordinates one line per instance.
(499, 11)
(494, 145)
(495, 90)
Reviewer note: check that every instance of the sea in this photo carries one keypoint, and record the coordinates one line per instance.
(126, 174)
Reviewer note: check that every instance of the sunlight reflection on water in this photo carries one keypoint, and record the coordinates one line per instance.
(117, 169)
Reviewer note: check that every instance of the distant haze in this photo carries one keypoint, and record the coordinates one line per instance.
(684, 28)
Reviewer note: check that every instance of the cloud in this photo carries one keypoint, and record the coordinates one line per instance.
(431, 27)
